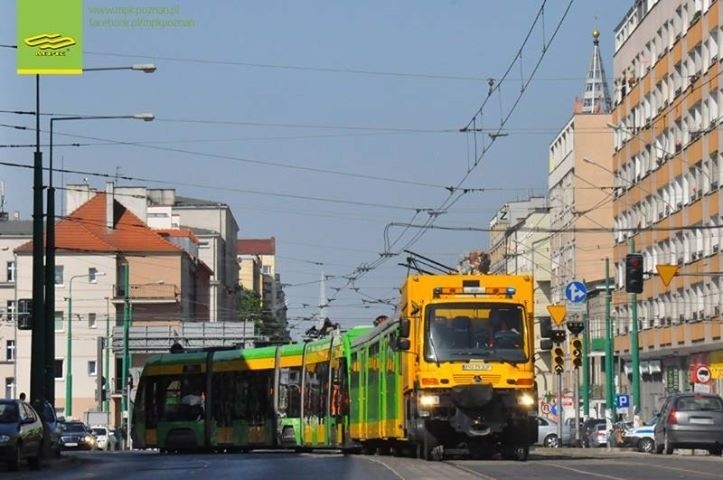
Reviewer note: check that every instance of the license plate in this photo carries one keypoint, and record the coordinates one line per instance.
(702, 421)
(71, 444)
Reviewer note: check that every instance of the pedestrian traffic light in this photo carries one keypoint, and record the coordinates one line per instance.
(558, 360)
(576, 352)
(558, 337)
(634, 273)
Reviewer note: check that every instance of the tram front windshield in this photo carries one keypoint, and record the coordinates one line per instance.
(462, 331)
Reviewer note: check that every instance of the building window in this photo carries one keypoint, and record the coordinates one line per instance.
(10, 350)
(10, 309)
(11, 271)
(203, 245)
(91, 320)
(58, 368)
(92, 275)
(92, 368)
(58, 321)
(266, 269)
(58, 274)
(9, 387)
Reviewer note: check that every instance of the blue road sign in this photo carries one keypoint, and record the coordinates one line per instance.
(622, 401)
(576, 292)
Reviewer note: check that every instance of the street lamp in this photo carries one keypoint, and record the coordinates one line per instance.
(139, 67)
(69, 344)
(42, 381)
(50, 237)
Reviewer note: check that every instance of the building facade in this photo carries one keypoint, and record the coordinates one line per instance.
(667, 199)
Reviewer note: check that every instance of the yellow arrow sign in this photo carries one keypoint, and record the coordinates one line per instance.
(557, 312)
(666, 272)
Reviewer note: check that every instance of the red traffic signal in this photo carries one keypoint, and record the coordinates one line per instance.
(634, 273)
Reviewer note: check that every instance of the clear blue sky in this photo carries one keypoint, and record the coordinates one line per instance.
(366, 89)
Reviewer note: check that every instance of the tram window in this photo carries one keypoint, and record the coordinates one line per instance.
(290, 392)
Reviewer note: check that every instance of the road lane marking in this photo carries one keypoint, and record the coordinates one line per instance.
(583, 472)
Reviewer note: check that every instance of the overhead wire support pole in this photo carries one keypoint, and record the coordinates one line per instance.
(38, 362)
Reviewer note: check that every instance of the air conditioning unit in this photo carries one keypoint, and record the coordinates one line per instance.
(714, 185)
(681, 318)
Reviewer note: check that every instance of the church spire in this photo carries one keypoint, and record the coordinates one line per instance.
(596, 98)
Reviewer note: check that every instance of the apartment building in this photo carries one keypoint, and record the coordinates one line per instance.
(95, 245)
(13, 233)
(212, 223)
(521, 243)
(256, 259)
(668, 204)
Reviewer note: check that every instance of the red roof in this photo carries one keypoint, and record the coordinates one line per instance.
(177, 232)
(256, 246)
(85, 230)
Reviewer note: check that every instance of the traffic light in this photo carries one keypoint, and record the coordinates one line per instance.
(634, 273)
(558, 360)
(576, 352)
(558, 337)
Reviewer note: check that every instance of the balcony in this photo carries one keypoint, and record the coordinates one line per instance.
(148, 293)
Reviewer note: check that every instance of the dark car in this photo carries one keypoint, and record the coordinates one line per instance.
(690, 420)
(21, 434)
(76, 436)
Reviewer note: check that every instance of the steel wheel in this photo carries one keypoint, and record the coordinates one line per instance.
(551, 441)
(646, 445)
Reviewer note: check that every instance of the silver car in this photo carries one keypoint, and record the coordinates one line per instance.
(547, 433)
(690, 420)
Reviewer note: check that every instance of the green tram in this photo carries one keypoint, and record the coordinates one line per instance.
(288, 396)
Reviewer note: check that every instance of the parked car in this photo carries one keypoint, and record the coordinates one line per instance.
(548, 433)
(102, 436)
(641, 438)
(21, 434)
(77, 436)
(53, 424)
(588, 427)
(599, 436)
(690, 420)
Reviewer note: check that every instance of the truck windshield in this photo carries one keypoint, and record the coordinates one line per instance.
(462, 331)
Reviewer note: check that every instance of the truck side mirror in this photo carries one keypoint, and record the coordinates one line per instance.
(404, 327)
(403, 344)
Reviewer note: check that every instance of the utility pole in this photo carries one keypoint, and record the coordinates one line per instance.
(609, 350)
(634, 345)
(38, 357)
(126, 327)
(586, 366)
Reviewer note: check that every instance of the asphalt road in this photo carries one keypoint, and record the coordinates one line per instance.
(557, 464)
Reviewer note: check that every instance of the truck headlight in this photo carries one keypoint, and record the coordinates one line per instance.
(526, 400)
(428, 400)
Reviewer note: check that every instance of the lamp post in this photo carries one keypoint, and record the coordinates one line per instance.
(106, 365)
(69, 345)
(43, 379)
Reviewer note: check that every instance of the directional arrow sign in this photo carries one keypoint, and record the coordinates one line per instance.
(666, 272)
(557, 312)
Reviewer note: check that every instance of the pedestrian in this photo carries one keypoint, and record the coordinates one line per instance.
(22, 396)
